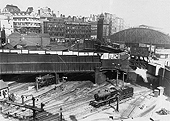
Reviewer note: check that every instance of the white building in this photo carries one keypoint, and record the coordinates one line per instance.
(26, 22)
(23, 21)
(120, 25)
(4, 91)
(6, 22)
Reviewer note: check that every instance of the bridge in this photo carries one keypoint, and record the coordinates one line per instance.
(14, 63)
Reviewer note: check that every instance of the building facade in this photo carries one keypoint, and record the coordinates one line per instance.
(4, 90)
(23, 21)
(6, 23)
(56, 30)
(93, 29)
(77, 30)
(45, 13)
(66, 29)
(111, 24)
(26, 22)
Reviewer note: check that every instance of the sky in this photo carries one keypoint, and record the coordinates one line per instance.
(155, 13)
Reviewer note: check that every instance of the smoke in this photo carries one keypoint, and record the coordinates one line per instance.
(142, 73)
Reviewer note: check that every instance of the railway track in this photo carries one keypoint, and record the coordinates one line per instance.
(130, 109)
(72, 105)
(85, 95)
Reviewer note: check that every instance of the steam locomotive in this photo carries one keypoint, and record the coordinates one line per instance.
(110, 95)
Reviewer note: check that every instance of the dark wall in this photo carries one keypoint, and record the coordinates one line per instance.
(35, 63)
(151, 69)
(164, 80)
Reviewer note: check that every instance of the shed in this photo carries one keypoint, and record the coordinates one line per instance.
(4, 91)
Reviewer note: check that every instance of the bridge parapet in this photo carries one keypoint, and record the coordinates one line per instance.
(13, 63)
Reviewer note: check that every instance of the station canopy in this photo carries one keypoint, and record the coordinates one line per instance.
(143, 36)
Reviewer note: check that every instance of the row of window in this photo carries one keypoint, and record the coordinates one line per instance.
(78, 36)
(56, 25)
(19, 23)
(78, 27)
(25, 19)
(63, 33)
(71, 35)
(68, 32)
(57, 40)
(55, 29)
(25, 30)
(67, 27)
(56, 34)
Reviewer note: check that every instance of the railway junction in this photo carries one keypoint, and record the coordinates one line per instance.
(69, 98)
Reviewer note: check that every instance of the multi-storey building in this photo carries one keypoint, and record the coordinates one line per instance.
(111, 24)
(55, 28)
(45, 13)
(11, 9)
(6, 23)
(78, 30)
(24, 22)
(65, 29)
(93, 29)
(119, 24)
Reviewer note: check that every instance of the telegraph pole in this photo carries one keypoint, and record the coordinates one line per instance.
(61, 115)
(33, 99)
(117, 107)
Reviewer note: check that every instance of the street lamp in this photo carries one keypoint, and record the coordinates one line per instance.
(123, 79)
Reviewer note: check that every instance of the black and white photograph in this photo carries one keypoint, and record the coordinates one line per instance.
(84, 60)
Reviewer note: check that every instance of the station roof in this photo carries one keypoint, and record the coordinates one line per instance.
(141, 35)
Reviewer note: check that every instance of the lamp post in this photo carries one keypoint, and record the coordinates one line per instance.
(123, 80)
(117, 77)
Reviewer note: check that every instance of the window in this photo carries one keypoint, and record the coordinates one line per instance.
(50, 34)
(67, 36)
(56, 34)
(52, 39)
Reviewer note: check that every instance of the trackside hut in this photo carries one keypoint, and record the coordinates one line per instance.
(4, 90)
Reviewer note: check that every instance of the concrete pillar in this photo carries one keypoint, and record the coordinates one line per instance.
(99, 76)
(57, 78)
(132, 77)
(161, 90)
(37, 83)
